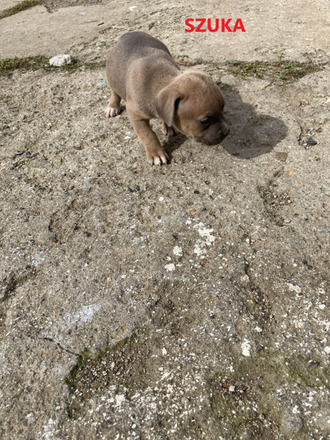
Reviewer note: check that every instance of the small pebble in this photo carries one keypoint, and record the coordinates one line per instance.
(134, 188)
(311, 141)
(177, 250)
(169, 267)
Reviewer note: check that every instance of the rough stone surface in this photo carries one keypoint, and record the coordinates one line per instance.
(188, 301)
(61, 60)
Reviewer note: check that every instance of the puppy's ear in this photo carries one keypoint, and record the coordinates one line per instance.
(167, 103)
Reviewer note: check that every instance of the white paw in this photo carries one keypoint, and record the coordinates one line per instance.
(111, 112)
(158, 160)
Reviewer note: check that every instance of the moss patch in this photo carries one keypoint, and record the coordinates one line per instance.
(124, 364)
(243, 403)
(26, 4)
(284, 71)
(280, 70)
(8, 65)
(311, 373)
(246, 403)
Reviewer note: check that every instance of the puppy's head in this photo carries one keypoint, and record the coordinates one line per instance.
(193, 104)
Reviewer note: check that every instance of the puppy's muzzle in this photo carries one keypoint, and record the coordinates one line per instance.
(215, 138)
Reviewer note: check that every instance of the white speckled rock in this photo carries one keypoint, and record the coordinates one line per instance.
(61, 60)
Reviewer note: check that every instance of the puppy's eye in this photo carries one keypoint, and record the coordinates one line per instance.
(205, 121)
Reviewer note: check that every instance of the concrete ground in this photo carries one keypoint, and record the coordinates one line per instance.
(188, 301)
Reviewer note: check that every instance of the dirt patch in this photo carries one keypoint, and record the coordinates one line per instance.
(275, 201)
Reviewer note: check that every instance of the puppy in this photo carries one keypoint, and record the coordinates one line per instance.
(141, 70)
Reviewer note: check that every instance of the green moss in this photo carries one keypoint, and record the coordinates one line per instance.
(281, 70)
(309, 372)
(83, 359)
(8, 65)
(92, 66)
(244, 401)
(26, 4)
(124, 364)
(80, 373)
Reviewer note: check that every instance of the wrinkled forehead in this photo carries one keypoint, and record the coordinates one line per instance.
(202, 88)
(202, 98)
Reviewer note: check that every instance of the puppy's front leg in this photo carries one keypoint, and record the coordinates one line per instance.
(170, 131)
(155, 153)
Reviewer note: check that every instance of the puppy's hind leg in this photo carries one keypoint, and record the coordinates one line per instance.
(113, 108)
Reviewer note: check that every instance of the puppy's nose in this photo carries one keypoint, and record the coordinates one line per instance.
(225, 131)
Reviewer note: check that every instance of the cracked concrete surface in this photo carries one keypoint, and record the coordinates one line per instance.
(188, 301)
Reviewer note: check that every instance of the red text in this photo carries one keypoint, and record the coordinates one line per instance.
(218, 24)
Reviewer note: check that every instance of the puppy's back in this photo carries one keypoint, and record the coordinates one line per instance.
(139, 44)
(130, 46)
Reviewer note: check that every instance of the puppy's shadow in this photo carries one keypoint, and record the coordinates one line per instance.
(174, 143)
(251, 134)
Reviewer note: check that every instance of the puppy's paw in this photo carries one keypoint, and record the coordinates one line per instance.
(111, 112)
(157, 158)
(170, 131)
